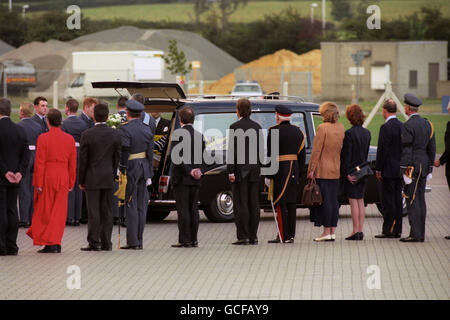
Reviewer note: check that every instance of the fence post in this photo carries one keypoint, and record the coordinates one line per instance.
(5, 88)
(55, 94)
(285, 88)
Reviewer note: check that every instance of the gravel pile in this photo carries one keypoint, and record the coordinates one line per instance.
(53, 59)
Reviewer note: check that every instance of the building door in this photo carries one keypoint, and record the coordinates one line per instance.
(433, 77)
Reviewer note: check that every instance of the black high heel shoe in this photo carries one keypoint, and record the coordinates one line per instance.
(354, 236)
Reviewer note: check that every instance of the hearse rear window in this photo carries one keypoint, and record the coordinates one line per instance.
(214, 126)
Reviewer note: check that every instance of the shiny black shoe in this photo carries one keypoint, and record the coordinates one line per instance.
(253, 241)
(182, 245)
(131, 248)
(195, 244)
(383, 236)
(91, 248)
(276, 240)
(447, 237)
(291, 240)
(106, 248)
(241, 242)
(360, 236)
(51, 249)
(410, 239)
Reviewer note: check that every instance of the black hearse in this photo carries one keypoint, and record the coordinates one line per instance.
(214, 114)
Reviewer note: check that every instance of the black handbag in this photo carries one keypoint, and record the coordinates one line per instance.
(361, 171)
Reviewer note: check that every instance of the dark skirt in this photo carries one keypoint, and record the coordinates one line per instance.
(355, 191)
(328, 213)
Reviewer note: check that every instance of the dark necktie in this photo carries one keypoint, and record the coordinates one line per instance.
(44, 125)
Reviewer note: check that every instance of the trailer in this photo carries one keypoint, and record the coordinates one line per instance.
(92, 66)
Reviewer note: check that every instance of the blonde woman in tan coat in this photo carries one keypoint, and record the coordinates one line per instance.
(324, 166)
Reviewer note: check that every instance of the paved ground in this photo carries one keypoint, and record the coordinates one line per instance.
(219, 270)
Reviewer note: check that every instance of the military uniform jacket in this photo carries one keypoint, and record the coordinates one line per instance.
(418, 145)
(32, 130)
(75, 127)
(291, 146)
(136, 138)
(445, 158)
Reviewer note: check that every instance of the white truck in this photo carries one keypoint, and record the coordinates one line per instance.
(91, 66)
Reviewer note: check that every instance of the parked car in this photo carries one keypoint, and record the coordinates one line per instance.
(247, 89)
(215, 195)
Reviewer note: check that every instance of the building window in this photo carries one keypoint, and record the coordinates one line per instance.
(412, 79)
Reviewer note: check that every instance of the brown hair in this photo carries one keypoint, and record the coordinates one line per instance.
(186, 115)
(5, 107)
(27, 109)
(390, 106)
(88, 101)
(72, 105)
(244, 107)
(39, 99)
(355, 114)
(329, 112)
(54, 117)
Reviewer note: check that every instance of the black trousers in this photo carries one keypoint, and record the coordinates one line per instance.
(417, 210)
(246, 208)
(100, 220)
(9, 221)
(186, 197)
(288, 214)
(391, 203)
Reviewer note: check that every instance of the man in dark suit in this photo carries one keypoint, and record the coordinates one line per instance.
(87, 116)
(41, 108)
(74, 126)
(416, 165)
(99, 159)
(186, 173)
(291, 160)
(32, 130)
(14, 158)
(445, 158)
(244, 172)
(388, 171)
(162, 125)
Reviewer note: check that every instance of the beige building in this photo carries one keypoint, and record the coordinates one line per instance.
(411, 66)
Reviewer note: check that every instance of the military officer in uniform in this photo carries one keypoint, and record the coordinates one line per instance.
(291, 160)
(416, 165)
(74, 126)
(136, 162)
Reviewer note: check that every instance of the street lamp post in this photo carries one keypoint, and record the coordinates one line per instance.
(323, 15)
(24, 7)
(313, 5)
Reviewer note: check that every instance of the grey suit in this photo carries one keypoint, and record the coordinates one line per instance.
(32, 130)
(74, 126)
(136, 139)
(418, 151)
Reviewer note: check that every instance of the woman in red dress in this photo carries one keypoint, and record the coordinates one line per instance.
(54, 177)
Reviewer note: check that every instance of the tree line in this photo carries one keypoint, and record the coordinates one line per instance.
(288, 29)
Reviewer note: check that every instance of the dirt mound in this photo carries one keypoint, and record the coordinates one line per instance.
(271, 70)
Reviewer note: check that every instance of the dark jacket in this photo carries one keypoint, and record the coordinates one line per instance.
(99, 157)
(181, 173)
(74, 126)
(14, 153)
(355, 148)
(418, 145)
(445, 158)
(32, 130)
(251, 165)
(291, 142)
(88, 121)
(389, 149)
(42, 123)
(162, 124)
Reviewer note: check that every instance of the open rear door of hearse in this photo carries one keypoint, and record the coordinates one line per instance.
(159, 96)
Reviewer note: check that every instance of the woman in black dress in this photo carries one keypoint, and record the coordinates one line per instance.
(354, 152)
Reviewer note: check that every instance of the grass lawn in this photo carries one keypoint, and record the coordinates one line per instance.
(255, 10)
